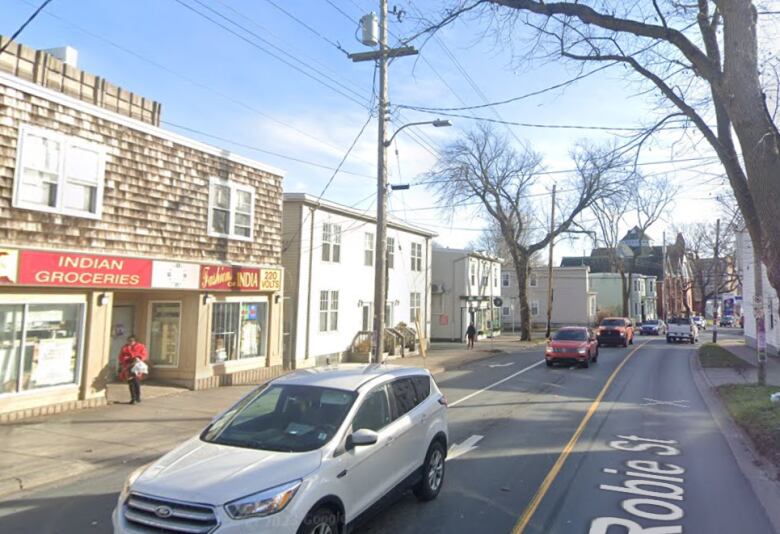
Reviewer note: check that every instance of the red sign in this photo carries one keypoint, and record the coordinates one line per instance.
(83, 270)
(229, 278)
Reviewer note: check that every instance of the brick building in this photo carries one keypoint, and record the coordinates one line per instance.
(110, 225)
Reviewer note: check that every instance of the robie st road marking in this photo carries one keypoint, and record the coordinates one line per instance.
(558, 465)
(654, 488)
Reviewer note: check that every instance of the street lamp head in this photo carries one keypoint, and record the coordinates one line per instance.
(441, 123)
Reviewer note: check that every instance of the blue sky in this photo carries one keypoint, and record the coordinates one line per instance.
(214, 82)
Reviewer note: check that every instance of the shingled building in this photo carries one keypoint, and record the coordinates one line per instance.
(111, 225)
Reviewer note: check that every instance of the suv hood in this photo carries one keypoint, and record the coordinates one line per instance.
(207, 473)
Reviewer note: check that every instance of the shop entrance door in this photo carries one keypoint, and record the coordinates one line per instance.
(122, 325)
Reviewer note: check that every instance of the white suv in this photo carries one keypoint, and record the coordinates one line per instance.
(306, 454)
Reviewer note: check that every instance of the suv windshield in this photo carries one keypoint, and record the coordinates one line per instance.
(282, 417)
(613, 322)
(651, 323)
(570, 335)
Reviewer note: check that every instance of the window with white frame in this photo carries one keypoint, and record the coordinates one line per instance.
(231, 209)
(495, 277)
(505, 279)
(331, 242)
(390, 252)
(59, 173)
(369, 249)
(505, 311)
(417, 257)
(415, 305)
(534, 308)
(329, 311)
(532, 281)
(473, 273)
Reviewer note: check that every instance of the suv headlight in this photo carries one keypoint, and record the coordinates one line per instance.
(582, 350)
(130, 480)
(266, 502)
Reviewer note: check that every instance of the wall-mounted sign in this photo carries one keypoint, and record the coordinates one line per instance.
(83, 270)
(444, 319)
(8, 261)
(175, 275)
(229, 278)
(271, 279)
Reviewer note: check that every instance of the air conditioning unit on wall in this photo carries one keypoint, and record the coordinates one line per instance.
(437, 288)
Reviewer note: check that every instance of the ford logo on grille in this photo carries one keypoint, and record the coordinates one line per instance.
(163, 512)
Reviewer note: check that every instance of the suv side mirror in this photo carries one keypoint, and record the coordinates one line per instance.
(362, 437)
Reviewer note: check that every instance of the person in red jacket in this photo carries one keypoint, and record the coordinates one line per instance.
(132, 352)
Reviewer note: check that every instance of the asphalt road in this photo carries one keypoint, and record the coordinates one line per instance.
(519, 426)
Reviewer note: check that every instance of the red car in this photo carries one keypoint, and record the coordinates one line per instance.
(616, 331)
(572, 344)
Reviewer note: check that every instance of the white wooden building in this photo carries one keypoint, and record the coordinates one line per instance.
(329, 288)
(465, 286)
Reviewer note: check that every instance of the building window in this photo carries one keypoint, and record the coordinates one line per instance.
(390, 252)
(231, 209)
(415, 303)
(534, 308)
(329, 311)
(165, 322)
(368, 249)
(389, 320)
(239, 330)
(504, 279)
(331, 242)
(58, 173)
(417, 257)
(40, 345)
(532, 281)
(495, 278)
(473, 273)
(505, 311)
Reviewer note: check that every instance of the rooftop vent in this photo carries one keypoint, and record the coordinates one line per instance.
(66, 54)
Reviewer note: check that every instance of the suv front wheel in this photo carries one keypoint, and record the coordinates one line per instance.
(320, 521)
(432, 473)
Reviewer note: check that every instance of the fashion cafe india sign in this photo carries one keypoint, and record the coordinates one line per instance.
(226, 278)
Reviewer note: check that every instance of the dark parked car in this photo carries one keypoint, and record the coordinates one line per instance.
(654, 327)
(727, 320)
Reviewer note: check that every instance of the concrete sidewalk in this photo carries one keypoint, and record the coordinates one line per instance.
(46, 450)
(748, 374)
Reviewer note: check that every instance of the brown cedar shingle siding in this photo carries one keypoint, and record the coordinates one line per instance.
(155, 199)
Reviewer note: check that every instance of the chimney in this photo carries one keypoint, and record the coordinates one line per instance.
(66, 54)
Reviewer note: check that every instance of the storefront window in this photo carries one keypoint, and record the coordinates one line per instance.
(239, 330)
(164, 338)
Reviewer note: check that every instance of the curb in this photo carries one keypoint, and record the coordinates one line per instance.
(750, 462)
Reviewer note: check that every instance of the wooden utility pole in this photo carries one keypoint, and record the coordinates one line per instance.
(380, 288)
(716, 304)
(550, 267)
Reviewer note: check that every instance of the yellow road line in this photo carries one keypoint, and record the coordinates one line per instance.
(556, 468)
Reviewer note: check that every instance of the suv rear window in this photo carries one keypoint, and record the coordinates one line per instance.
(613, 322)
(680, 320)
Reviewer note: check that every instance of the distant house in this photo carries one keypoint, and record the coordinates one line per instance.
(328, 255)
(642, 299)
(574, 300)
(668, 265)
(465, 286)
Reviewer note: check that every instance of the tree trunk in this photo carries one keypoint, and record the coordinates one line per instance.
(521, 271)
(624, 288)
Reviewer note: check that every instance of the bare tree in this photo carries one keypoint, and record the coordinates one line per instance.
(709, 278)
(701, 59)
(483, 166)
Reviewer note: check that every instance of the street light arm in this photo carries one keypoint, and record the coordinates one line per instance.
(438, 123)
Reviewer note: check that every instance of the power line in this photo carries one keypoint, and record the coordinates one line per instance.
(330, 181)
(264, 151)
(190, 81)
(310, 28)
(24, 25)
(272, 54)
